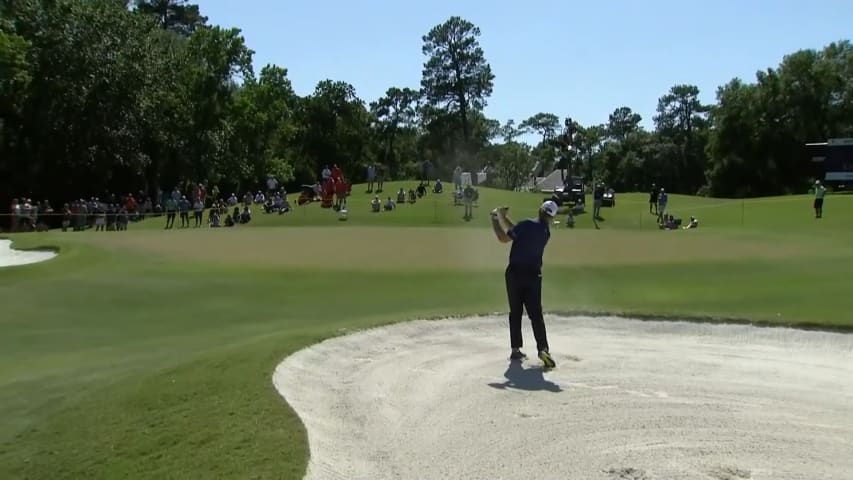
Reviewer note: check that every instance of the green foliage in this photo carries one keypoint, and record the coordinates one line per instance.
(99, 96)
(755, 147)
(512, 164)
(456, 76)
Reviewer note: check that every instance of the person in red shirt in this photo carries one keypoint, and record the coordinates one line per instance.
(337, 174)
(341, 193)
(130, 204)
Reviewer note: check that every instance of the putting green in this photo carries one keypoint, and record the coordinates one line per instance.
(149, 353)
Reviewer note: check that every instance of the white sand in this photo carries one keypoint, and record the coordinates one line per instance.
(10, 257)
(628, 400)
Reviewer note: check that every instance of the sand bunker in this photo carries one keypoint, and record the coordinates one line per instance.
(628, 400)
(10, 257)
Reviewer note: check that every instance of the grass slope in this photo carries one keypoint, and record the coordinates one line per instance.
(149, 354)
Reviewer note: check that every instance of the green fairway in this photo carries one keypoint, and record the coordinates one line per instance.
(149, 353)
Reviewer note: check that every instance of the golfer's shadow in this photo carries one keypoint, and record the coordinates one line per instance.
(530, 379)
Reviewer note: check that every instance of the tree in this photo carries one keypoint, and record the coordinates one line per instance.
(622, 122)
(512, 164)
(456, 76)
(175, 15)
(509, 131)
(682, 121)
(334, 128)
(265, 127)
(396, 115)
(545, 124)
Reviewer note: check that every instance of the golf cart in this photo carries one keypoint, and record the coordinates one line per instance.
(609, 198)
(309, 194)
(573, 192)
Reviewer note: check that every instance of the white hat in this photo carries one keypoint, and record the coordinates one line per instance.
(549, 207)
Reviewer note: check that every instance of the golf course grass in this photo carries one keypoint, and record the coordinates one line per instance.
(148, 353)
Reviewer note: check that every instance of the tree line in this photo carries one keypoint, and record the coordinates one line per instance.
(118, 96)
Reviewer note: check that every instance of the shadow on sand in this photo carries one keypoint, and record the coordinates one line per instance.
(530, 379)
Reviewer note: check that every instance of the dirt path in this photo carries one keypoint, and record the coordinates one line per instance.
(628, 400)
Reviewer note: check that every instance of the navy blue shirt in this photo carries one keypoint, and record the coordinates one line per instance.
(529, 238)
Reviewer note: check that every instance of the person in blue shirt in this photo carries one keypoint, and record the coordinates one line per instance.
(524, 275)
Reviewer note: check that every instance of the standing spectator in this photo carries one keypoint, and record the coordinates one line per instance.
(171, 207)
(66, 217)
(371, 174)
(198, 211)
(380, 177)
(457, 179)
(468, 196)
(662, 200)
(819, 193)
(653, 199)
(597, 197)
(272, 185)
(15, 211)
(184, 208)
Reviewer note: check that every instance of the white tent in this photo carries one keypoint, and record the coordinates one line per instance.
(467, 178)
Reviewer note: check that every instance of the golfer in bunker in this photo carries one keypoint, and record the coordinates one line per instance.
(524, 274)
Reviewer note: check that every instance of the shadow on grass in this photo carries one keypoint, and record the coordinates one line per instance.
(15, 242)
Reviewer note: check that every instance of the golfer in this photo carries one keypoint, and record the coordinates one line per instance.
(524, 274)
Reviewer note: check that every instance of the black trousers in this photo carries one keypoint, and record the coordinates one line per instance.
(524, 290)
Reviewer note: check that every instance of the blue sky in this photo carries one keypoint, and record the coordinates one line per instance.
(571, 58)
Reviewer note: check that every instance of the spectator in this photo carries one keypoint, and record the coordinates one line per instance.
(184, 209)
(819, 193)
(371, 175)
(597, 197)
(653, 199)
(198, 211)
(662, 201)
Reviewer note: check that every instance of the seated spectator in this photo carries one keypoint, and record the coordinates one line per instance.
(389, 205)
(669, 222)
(374, 204)
(269, 206)
(281, 204)
(213, 218)
(694, 223)
(437, 188)
(259, 197)
(232, 200)
(245, 215)
(421, 190)
(401, 196)
(412, 196)
(229, 221)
